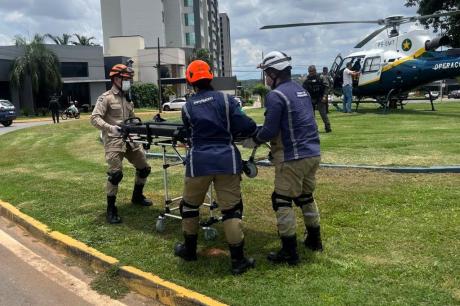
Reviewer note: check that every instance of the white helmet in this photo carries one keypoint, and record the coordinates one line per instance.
(276, 60)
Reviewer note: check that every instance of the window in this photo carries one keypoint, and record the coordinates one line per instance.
(190, 39)
(189, 19)
(74, 69)
(188, 3)
(372, 64)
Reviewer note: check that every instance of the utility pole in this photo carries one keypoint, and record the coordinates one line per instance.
(160, 96)
(262, 78)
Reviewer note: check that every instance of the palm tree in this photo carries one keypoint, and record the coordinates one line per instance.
(83, 40)
(38, 63)
(60, 40)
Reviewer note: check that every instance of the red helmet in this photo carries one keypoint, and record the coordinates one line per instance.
(198, 70)
(122, 71)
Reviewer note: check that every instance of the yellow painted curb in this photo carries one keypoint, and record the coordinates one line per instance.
(144, 283)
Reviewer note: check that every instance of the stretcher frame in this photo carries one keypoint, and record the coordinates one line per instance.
(172, 205)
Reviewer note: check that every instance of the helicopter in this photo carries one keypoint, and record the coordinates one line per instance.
(394, 65)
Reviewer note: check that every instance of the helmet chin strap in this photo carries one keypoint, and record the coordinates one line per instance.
(274, 78)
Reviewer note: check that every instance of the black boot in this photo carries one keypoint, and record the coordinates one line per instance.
(240, 264)
(288, 253)
(138, 197)
(187, 250)
(313, 239)
(328, 128)
(112, 212)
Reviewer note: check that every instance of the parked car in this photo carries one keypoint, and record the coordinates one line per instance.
(454, 94)
(175, 104)
(434, 95)
(7, 112)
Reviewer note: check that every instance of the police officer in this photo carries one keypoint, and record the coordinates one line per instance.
(213, 119)
(317, 88)
(290, 126)
(113, 108)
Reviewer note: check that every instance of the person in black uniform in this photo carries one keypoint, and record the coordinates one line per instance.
(316, 87)
(54, 108)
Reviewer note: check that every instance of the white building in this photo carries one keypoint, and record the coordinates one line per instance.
(225, 45)
(186, 24)
(146, 59)
(133, 18)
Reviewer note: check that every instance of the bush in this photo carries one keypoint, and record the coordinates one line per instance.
(145, 95)
(26, 111)
(43, 111)
(249, 102)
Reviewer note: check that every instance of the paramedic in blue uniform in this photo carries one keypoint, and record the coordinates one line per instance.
(213, 119)
(291, 129)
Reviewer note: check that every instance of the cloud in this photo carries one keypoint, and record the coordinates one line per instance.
(27, 17)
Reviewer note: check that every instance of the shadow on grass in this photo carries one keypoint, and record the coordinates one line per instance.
(213, 255)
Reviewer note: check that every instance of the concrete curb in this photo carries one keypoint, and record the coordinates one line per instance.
(142, 282)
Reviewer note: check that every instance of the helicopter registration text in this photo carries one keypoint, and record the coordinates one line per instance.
(385, 43)
(450, 65)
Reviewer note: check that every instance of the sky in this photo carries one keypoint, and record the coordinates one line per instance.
(306, 45)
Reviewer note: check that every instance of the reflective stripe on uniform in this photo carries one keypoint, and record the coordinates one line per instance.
(291, 129)
(227, 112)
(192, 172)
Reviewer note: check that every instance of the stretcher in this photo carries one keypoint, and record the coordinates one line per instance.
(172, 140)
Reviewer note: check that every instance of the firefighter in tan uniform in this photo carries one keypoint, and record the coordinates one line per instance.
(113, 108)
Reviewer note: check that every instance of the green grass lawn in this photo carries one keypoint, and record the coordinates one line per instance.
(389, 238)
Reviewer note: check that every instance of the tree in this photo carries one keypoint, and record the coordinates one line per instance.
(145, 94)
(38, 63)
(204, 55)
(83, 40)
(451, 25)
(261, 90)
(60, 40)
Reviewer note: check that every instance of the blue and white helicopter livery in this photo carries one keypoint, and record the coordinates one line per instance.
(395, 65)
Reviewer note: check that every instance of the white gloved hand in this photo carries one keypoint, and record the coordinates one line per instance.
(115, 131)
(249, 143)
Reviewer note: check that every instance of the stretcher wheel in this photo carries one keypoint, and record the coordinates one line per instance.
(160, 225)
(210, 233)
(250, 169)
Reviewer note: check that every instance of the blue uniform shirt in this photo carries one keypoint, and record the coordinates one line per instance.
(212, 120)
(289, 114)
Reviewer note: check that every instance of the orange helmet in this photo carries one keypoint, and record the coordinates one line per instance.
(122, 71)
(198, 70)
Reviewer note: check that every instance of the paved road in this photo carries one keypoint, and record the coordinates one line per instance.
(17, 126)
(31, 273)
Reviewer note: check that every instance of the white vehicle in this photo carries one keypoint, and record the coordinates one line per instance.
(175, 104)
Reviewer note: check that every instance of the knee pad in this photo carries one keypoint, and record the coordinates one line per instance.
(280, 201)
(115, 177)
(236, 212)
(188, 210)
(143, 173)
(304, 199)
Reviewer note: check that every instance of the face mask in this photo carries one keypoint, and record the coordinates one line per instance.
(125, 85)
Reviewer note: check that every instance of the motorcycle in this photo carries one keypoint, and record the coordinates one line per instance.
(69, 114)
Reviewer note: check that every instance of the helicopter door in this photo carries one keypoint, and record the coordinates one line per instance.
(336, 65)
(371, 70)
(335, 72)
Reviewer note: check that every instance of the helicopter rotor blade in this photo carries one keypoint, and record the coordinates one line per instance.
(370, 37)
(305, 24)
